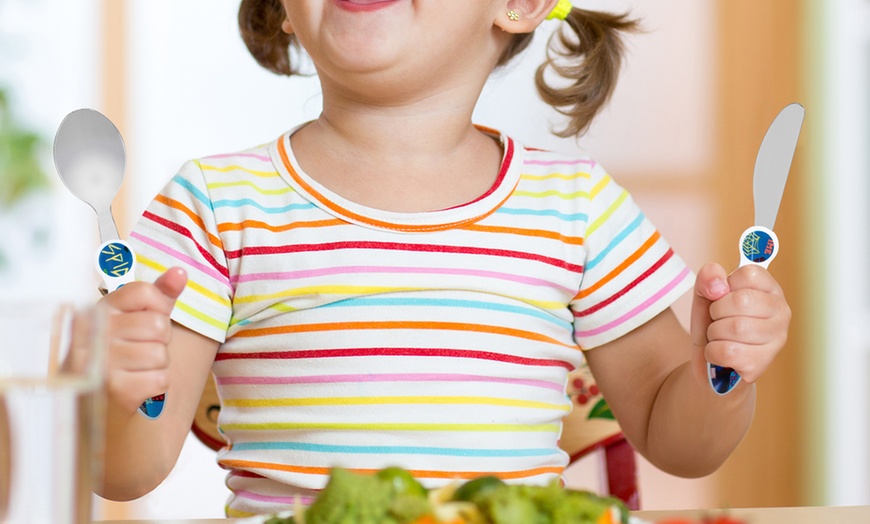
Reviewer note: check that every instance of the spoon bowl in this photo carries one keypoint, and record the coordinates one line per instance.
(90, 157)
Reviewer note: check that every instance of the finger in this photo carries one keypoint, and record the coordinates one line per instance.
(138, 356)
(171, 283)
(710, 285)
(750, 361)
(753, 276)
(141, 326)
(747, 303)
(743, 330)
(159, 297)
(129, 389)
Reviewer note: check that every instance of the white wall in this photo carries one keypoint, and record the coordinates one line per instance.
(49, 63)
(840, 245)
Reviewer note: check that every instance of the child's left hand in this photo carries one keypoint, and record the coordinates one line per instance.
(739, 320)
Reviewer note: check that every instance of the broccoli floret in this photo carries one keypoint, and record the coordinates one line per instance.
(349, 498)
(549, 504)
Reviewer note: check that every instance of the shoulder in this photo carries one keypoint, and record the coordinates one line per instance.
(252, 158)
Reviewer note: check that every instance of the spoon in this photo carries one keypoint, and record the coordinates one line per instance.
(90, 157)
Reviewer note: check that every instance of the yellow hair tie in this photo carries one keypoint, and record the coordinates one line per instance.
(563, 7)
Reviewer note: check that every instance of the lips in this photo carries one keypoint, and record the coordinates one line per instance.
(364, 5)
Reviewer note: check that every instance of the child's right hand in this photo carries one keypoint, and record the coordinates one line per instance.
(139, 330)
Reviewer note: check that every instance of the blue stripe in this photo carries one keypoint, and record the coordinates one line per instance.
(450, 303)
(272, 210)
(393, 450)
(616, 240)
(193, 190)
(579, 217)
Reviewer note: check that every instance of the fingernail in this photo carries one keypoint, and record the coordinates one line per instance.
(718, 287)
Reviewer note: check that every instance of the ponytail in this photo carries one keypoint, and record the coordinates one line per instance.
(260, 26)
(589, 59)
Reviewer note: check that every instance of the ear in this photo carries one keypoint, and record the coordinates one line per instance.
(286, 27)
(529, 14)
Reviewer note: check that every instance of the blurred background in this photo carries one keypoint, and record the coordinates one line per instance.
(701, 85)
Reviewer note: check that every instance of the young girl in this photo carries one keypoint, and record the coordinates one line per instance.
(392, 285)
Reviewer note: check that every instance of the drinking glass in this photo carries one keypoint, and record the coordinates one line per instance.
(52, 375)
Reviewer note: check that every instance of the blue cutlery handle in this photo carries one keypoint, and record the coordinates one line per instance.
(116, 263)
(758, 245)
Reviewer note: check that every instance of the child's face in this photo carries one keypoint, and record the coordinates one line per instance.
(414, 45)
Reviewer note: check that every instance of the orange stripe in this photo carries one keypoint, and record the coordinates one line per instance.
(248, 224)
(526, 232)
(455, 326)
(366, 220)
(419, 473)
(621, 267)
(216, 241)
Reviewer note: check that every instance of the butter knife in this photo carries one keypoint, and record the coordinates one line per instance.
(759, 244)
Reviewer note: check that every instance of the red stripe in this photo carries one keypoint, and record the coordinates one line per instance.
(399, 246)
(643, 276)
(395, 352)
(183, 231)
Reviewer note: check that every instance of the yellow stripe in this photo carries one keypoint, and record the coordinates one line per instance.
(248, 183)
(348, 426)
(553, 193)
(600, 186)
(324, 290)
(202, 290)
(610, 210)
(200, 316)
(563, 176)
(226, 169)
(357, 401)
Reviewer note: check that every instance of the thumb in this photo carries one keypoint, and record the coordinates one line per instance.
(711, 284)
(171, 283)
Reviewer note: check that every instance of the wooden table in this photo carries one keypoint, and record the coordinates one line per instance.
(800, 515)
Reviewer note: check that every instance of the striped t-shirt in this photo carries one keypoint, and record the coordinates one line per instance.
(363, 338)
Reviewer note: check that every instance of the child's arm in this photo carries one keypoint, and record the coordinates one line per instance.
(654, 378)
(149, 355)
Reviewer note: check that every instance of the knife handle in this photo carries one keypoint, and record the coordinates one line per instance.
(758, 245)
(116, 263)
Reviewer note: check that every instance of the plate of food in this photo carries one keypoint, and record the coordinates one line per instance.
(393, 496)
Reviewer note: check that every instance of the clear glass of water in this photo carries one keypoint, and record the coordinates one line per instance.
(52, 376)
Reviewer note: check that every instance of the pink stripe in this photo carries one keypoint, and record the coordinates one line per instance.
(311, 273)
(634, 312)
(386, 377)
(208, 270)
(264, 158)
(243, 493)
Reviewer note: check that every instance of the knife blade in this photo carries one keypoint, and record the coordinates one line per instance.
(759, 244)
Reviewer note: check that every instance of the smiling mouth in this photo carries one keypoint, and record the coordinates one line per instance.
(364, 5)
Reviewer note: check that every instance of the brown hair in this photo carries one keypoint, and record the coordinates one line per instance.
(589, 56)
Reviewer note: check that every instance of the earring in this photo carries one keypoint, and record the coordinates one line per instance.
(513, 15)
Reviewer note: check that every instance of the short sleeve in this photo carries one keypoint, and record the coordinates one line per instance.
(631, 274)
(179, 228)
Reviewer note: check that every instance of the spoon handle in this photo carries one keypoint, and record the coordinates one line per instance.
(116, 262)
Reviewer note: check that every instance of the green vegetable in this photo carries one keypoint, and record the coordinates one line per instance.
(403, 482)
(551, 504)
(349, 498)
(471, 489)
